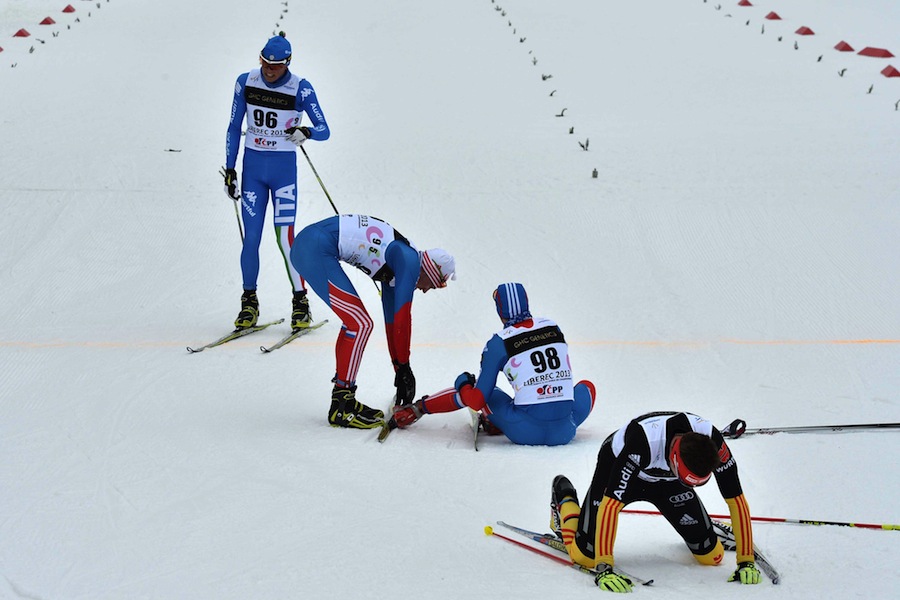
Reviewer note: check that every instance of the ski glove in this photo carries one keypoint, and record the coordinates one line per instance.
(745, 573)
(298, 135)
(405, 382)
(404, 416)
(609, 580)
(463, 380)
(231, 183)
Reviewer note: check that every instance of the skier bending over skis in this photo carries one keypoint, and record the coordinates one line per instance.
(658, 457)
(382, 253)
(533, 354)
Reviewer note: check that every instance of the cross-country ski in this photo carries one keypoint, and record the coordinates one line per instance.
(557, 550)
(292, 336)
(237, 333)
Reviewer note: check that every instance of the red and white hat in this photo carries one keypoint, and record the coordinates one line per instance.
(439, 266)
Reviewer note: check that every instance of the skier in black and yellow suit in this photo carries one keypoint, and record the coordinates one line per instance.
(659, 458)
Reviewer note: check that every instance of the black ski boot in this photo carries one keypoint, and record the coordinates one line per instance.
(561, 491)
(300, 316)
(249, 310)
(347, 411)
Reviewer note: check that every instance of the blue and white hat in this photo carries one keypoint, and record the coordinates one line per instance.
(512, 303)
(277, 51)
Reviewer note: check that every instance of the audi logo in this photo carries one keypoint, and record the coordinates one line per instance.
(682, 497)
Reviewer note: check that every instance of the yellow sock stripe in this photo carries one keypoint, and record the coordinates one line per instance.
(569, 513)
(607, 524)
(743, 529)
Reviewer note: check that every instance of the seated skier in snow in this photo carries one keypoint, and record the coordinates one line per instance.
(532, 352)
(659, 458)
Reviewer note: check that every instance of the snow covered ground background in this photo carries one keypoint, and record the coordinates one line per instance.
(736, 256)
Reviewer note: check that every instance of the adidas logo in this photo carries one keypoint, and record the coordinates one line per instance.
(688, 520)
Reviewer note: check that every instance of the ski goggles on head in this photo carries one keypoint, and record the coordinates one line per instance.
(285, 61)
(684, 474)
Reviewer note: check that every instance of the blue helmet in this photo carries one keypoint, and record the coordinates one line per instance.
(512, 303)
(277, 50)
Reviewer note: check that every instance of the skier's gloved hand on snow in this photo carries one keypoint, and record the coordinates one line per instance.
(611, 581)
(404, 416)
(298, 135)
(746, 572)
(231, 183)
(405, 382)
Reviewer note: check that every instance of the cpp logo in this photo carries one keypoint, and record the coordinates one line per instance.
(681, 498)
(550, 390)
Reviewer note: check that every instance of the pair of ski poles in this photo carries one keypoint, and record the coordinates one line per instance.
(738, 428)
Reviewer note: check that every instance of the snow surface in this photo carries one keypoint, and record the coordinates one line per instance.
(736, 256)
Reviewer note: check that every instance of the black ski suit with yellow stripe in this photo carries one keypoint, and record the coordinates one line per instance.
(632, 466)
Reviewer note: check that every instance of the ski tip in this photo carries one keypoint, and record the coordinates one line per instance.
(488, 530)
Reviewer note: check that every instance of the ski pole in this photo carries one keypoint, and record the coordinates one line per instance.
(237, 216)
(738, 427)
(316, 173)
(884, 526)
(488, 530)
(327, 195)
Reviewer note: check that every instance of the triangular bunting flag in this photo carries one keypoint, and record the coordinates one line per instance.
(876, 52)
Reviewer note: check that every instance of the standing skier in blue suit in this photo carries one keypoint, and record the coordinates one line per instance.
(274, 101)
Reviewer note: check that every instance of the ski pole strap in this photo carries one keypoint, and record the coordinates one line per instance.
(735, 429)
